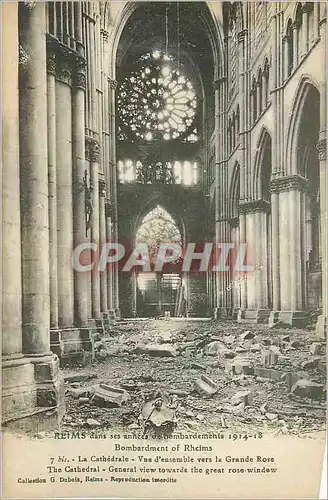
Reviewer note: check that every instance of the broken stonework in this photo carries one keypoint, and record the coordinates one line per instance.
(211, 349)
(78, 393)
(204, 385)
(244, 397)
(292, 377)
(240, 367)
(247, 335)
(107, 395)
(268, 373)
(310, 364)
(316, 348)
(162, 350)
(157, 413)
(307, 389)
(269, 357)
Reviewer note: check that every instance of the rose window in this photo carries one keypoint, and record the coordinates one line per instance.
(156, 101)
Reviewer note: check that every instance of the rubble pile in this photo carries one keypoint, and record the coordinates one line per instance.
(208, 375)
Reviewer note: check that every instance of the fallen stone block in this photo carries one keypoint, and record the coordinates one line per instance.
(269, 358)
(285, 338)
(79, 377)
(292, 377)
(271, 416)
(295, 343)
(255, 348)
(229, 339)
(158, 413)
(204, 385)
(317, 348)
(211, 349)
(307, 389)
(247, 335)
(107, 395)
(268, 373)
(280, 324)
(239, 410)
(244, 397)
(241, 367)
(198, 366)
(160, 350)
(83, 401)
(77, 393)
(91, 422)
(310, 364)
(178, 392)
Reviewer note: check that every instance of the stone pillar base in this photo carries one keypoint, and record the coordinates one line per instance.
(255, 316)
(33, 393)
(225, 312)
(321, 326)
(106, 321)
(72, 345)
(215, 313)
(117, 314)
(100, 326)
(293, 318)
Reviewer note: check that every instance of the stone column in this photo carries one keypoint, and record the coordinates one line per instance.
(102, 241)
(51, 109)
(81, 290)
(48, 386)
(64, 192)
(11, 231)
(109, 233)
(93, 146)
(275, 251)
(112, 165)
(321, 326)
(296, 48)
(34, 186)
(304, 31)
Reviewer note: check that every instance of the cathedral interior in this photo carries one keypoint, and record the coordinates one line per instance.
(155, 122)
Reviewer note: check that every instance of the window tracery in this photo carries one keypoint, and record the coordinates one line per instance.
(156, 101)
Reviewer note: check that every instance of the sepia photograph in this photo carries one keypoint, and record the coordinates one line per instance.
(164, 248)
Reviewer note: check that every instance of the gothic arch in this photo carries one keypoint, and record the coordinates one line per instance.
(264, 143)
(234, 194)
(208, 18)
(161, 200)
(305, 86)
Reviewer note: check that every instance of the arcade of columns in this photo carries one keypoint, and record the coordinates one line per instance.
(59, 151)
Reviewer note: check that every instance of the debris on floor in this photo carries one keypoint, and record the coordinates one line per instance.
(194, 375)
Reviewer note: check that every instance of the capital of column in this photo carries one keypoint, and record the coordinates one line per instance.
(250, 207)
(322, 149)
(242, 35)
(64, 71)
(30, 3)
(109, 208)
(102, 185)
(79, 73)
(112, 84)
(288, 183)
(92, 149)
(104, 34)
(51, 64)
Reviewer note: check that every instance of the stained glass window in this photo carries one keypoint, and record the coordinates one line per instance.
(158, 227)
(156, 101)
(158, 173)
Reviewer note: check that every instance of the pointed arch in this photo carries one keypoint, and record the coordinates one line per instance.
(234, 194)
(293, 130)
(262, 165)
